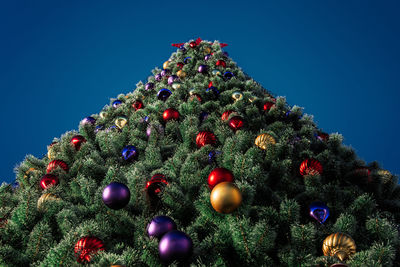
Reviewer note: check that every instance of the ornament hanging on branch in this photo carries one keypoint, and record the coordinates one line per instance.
(129, 153)
(57, 164)
(237, 96)
(219, 175)
(77, 141)
(264, 140)
(116, 195)
(160, 225)
(319, 211)
(236, 123)
(311, 167)
(48, 180)
(156, 185)
(149, 86)
(87, 247)
(339, 245)
(117, 103)
(225, 197)
(163, 94)
(226, 114)
(221, 63)
(46, 198)
(175, 246)
(121, 121)
(170, 114)
(268, 105)
(51, 154)
(205, 138)
(137, 105)
(88, 121)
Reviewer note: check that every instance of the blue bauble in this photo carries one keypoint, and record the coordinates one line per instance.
(213, 155)
(228, 75)
(116, 103)
(160, 225)
(163, 94)
(88, 120)
(116, 195)
(319, 211)
(175, 246)
(129, 153)
(213, 90)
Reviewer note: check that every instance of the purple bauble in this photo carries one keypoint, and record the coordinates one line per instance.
(202, 69)
(88, 120)
(175, 246)
(116, 195)
(172, 79)
(158, 128)
(116, 103)
(160, 225)
(165, 72)
(149, 86)
(158, 77)
(207, 57)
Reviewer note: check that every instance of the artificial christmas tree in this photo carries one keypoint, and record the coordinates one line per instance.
(289, 195)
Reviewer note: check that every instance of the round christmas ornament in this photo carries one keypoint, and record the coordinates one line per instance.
(149, 86)
(237, 96)
(121, 121)
(221, 63)
(319, 211)
(55, 164)
(158, 128)
(228, 75)
(87, 247)
(219, 175)
(116, 195)
(268, 105)
(48, 180)
(116, 103)
(137, 105)
(103, 114)
(205, 138)
(158, 77)
(225, 197)
(176, 85)
(339, 245)
(193, 44)
(156, 185)
(216, 73)
(181, 74)
(226, 114)
(213, 155)
(51, 154)
(165, 72)
(45, 198)
(264, 140)
(179, 65)
(113, 128)
(166, 64)
(202, 69)
(385, 175)
(129, 153)
(160, 225)
(170, 114)
(175, 246)
(88, 121)
(172, 79)
(311, 167)
(187, 60)
(77, 141)
(207, 57)
(236, 123)
(163, 94)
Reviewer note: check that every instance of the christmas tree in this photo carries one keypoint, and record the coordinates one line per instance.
(200, 166)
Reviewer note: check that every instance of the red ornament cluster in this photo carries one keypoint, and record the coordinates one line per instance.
(205, 138)
(219, 175)
(86, 247)
(55, 164)
(311, 167)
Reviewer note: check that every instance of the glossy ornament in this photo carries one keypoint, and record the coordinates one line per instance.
(99, 128)
(221, 63)
(202, 69)
(339, 245)
(121, 121)
(48, 180)
(156, 185)
(129, 153)
(88, 121)
(311, 167)
(116, 195)
(172, 79)
(237, 96)
(166, 64)
(165, 72)
(205, 138)
(180, 65)
(103, 114)
(207, 57)
(181, 74)
(117, 103)
(193, 44)
(163, 94)
(149, 86)
(170, 114)
(236, 123)
(175, 246)
(57, 164)
(214, 90)
(264, 140)
(176, 85)
(216, 73)
(158, 77)
(160, 225)
(86, 248)
(51, 154)
(77, 141)
(319, 211)
(219, 175)
(137, 105)
(226, 114)
(228, 75)
(46, 198)
(225, 197)
(268, 105)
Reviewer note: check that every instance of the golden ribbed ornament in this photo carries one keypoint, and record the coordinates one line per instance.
(45, 198)
(339, 245)
(264, 140)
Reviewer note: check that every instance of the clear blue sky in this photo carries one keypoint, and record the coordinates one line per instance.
(61, 61)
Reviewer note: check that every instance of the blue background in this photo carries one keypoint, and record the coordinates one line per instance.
(61, 61)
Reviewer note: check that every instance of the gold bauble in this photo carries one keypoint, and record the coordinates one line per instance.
(103, 114)
(207, 50)
(237, 96)
(264, 140)
(181, 74)
(385, 175)
(121, 122)
(225, 197)
(339, 245)
(176, 85)
(165, 65)
(45, 198)
(51, 154)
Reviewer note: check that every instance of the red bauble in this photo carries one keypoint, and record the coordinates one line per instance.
(210, 84)
(86, 247)
(311, 167)
(57, 163)
(137, 104)
(170, 114)
(236, 123)
(193, 44)
(156, 185)
(268, 105)
(219, 175)
(179, 65)
(48, 180)
(77, 141)
(221, 63)
(226, 114)
(205, 138)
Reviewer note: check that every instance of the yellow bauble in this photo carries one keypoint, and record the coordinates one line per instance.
(166, 64)
(121, 122)
(181, 74)
(339, 245)
(45, 198)
(237, 96)
(264, 140)
(225, 197)
(103, 114)
(51, 154)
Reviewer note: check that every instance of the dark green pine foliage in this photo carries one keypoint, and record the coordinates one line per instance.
(272, 227)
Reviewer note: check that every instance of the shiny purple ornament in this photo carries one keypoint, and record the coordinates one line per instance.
(202, 69)
(175, 246)
(160, 225)
(172, 79)
(165, 72)
(158, 77)
(319, 211)
(116, 195)
(88, 120)
(116, 103)
(163, 94)
(207, 57)
(149, 86)
(129, 153)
